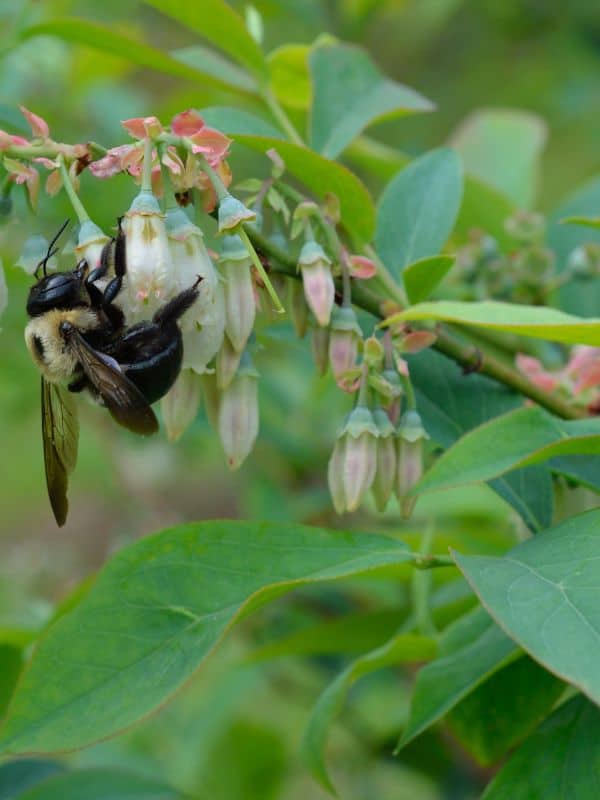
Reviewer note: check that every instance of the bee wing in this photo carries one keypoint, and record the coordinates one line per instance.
(127, 405)
(60, 435)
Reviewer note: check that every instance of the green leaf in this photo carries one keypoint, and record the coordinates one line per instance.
(561, 761)
(290, 79)
(543, 593)
(502, 147)
(219, 68)
(156, 610)
(106, 39)
(577, 296)
(418, 209)
(402, 648)
(452, 403)
(536, 321)
(581, 469)
(217, 22)
(422, 277)
(322, 176)
(350, 93)
(514, 440)
(17, 776)
(471, 650)
(505, 709)
(99, 784)
(11, 661)
(236, 122)
(352, 633)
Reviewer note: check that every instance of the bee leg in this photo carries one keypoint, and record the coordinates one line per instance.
(94, 293)
(114, 286)
(176, 307)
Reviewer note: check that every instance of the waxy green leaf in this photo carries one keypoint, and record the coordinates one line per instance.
(155, 612)
(322, 177)
(561, 761)
(502, 147)
(504, 709)
(350, 93)
(471, 650)
(418, 209)
(402, 648)
(18, 776)
(422, 277)
(101, 37)
(586, 222)
(536, 321)
(543, 593)
(236, 122)
(290, 79)
(99, 784)
(452, 403)
(217, 22)
(517, 439)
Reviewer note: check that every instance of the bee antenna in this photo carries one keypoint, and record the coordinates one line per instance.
(52, 251)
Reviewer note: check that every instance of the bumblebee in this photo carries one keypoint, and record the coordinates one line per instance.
(78, 338)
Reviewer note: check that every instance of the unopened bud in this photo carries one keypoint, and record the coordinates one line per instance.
(238, 414)
(90, 243)
(355, 455)
(150, 272)
(409, 443)
(240, 305)
(320, 348)
(335, 475)
(319, 288)
(345, 335)
(385, 474)
(298, 307)
(373, 353)
(526, 227)
(180, 404)
(228, 360)
(232, 213)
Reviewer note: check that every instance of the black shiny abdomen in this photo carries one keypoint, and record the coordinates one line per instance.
(150, 355)
(60, 290)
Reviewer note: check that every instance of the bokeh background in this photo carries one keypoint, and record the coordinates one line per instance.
(234, 732)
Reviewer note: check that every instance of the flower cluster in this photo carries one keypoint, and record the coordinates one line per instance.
(378, 448)
(180, 169)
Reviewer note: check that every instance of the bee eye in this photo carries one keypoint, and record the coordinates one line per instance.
(65, 327)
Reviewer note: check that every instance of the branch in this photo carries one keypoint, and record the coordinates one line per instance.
(446, 344)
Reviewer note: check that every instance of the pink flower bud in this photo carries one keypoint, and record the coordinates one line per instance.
(362, 267)
(409, 453)
(240, 305)
(180, 404)
(320, 348)
(140, 127)
(39, 127)
(298, 308)
(238, 414)
(228, 361)
(385, 474)
(345, 335)
(392, 404)
(319, 288)
(354, 460)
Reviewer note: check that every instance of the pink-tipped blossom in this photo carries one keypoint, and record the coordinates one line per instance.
(238, 418)
(409, 443)
(353, 463)
(39, 127)
(385, 474)
(180, 405)
(240, 305)
(344, 339)
(22, 173)
(319, 288)
(141, 127)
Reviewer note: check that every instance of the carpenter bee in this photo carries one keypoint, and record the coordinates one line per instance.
(78, 338)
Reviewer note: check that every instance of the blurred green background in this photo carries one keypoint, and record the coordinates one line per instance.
(234, 732)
